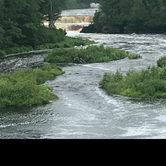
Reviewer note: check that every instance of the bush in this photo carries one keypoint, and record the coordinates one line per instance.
(161, 62)
(147, 83)
(23, 86)
(133, 56)
(71, 42)
(13, 50)
(2, 53)
(46, 35)
(91, 54)
(51, 41)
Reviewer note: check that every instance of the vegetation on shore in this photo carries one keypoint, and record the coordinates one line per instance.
(23, 87)
(147, 83)
(68, 42)
(126, 16)
(21, 26)
(91, 54)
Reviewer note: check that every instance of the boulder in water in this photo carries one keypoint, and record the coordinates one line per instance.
(89, 29)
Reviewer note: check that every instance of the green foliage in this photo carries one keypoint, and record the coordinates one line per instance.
(134, 56)
(21, 27)
(13, 50)
(139, 16)
(47, 72)
(113, 80)
(2, 53)
(21, 24)
(91, 54)
(68, 42)
(23, 86)
(147, 83)
(161, 62)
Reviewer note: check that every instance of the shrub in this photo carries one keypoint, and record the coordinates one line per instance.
(49, 39)
(13, 50)
(2, 53)
(147, 83)
(69, 42)
(23, 86)
(91, 54)
(133, 56)
(161, 62)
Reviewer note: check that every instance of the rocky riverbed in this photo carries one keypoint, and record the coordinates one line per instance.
(32, 59)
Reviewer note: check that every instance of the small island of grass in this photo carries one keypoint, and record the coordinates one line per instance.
(147, 83)
(91, 54)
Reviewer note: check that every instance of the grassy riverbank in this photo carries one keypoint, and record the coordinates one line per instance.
(92, 54)
(68, 42)
(23, 87)
(147, 83)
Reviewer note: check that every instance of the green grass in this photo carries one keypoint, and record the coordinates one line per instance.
(23, 87)
(92, 54)
(133, 56)
(147, 83)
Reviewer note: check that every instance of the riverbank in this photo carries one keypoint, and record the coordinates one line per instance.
(35, 58)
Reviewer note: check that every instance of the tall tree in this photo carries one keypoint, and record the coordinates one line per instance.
(11, 10)
(29, 21)
(52, 10)
(21, 24)
(139, 16)
(1, 21)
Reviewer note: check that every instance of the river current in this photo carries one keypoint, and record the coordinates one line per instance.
(84, 110)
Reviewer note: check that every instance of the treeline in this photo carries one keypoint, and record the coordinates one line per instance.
(78, 4)
(130, 16)
(21, 23)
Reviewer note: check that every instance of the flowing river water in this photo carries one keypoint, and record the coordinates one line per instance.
(84, 110)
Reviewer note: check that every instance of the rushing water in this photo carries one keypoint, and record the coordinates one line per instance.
(84, 110)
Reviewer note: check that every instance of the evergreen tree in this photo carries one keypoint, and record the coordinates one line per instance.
(128, 16)
(21, 23)
(1, 21)
(11, 10)
(29, 22)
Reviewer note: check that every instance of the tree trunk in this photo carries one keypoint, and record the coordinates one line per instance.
(51, 19)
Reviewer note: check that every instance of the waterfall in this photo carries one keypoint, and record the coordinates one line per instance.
(71, 23)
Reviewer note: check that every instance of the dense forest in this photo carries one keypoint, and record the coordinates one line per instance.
(21, 26)
(21, 23)
(130, 16)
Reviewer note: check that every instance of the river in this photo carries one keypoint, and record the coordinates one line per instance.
(84, 110)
